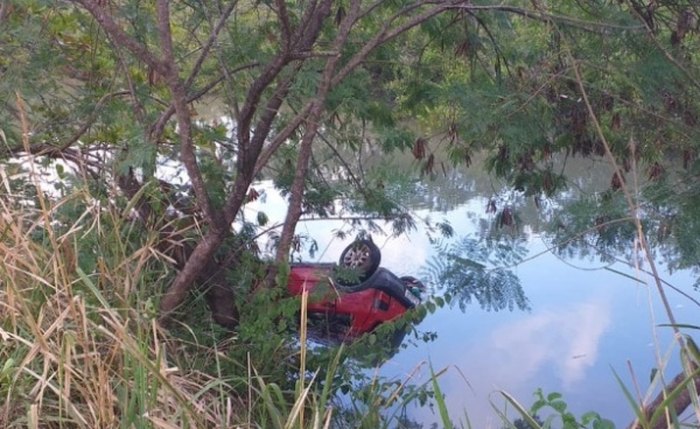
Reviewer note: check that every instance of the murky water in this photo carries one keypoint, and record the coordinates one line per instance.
(588, 319)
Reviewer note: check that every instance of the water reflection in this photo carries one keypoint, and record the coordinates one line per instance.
(573, 332)
(475, 270)
(590, 311)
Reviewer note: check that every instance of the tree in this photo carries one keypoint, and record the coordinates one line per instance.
(113, 88)
(275, 63)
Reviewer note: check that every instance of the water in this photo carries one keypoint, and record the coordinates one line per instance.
(583, 326)
(588, 320)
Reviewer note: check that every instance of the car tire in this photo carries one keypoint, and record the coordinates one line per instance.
(362, 256)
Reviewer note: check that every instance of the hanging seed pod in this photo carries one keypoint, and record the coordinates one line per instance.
(655, 171)
(467, 160)
(664, 229)
(688, 158)
(419, 148)
(548, 182)
(339, 15)
(452, 132)
(503, 153)
(491, 206)
(616, 122)
(547, 151)
(506, 218)
(526, 163)
(601, 223)
(626, 164)
(616, 182)
(429, 165)
(253, 195)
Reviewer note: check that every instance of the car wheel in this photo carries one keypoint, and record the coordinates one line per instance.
(363, 257)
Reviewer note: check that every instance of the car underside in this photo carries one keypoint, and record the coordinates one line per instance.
(356, 295)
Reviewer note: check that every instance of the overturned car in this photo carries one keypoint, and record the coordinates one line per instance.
(356, 295)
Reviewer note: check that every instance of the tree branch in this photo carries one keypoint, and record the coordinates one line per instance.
(284, 23)
(386, 34)
(120, 36)
(312, 124)
(210, 42)
(157, 128)
(590, 26)
(182, 112)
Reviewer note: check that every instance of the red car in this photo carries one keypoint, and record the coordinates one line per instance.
(356, 295)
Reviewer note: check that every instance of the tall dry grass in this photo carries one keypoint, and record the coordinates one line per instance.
(83, 349)
(78, 350)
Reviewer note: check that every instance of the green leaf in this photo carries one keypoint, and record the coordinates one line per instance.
(693, 349)
(7, 368)
(603, 424)
(262, 218)
(560, 406)
(553, 396)
(678, 325)
(521, 410)
(638, 411)
(440, 398)
(60, 171)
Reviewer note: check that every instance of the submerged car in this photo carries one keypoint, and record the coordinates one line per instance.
(356, 295)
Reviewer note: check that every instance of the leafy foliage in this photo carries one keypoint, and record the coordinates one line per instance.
(600, 225)
(556, 403)
(478, 271)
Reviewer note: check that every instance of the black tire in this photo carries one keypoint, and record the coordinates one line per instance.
(363, 257)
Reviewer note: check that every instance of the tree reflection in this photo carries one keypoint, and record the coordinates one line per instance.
(478, 270)
(599, 226)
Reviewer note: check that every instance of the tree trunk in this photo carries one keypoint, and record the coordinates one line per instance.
(312, 123)
(201, 257)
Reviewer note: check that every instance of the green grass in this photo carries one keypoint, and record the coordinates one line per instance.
(81, 346)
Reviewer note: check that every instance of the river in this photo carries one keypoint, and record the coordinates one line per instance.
(587, 319)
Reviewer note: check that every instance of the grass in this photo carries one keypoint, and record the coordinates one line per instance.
(81, 347)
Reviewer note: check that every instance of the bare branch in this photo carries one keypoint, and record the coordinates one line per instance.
(665, 51)
(281, 137)
(253, 98)
(591, 26)
(386, 34)
(250, 149)
(158, 127)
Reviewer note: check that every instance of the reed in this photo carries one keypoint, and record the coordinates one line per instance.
(83, 349)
